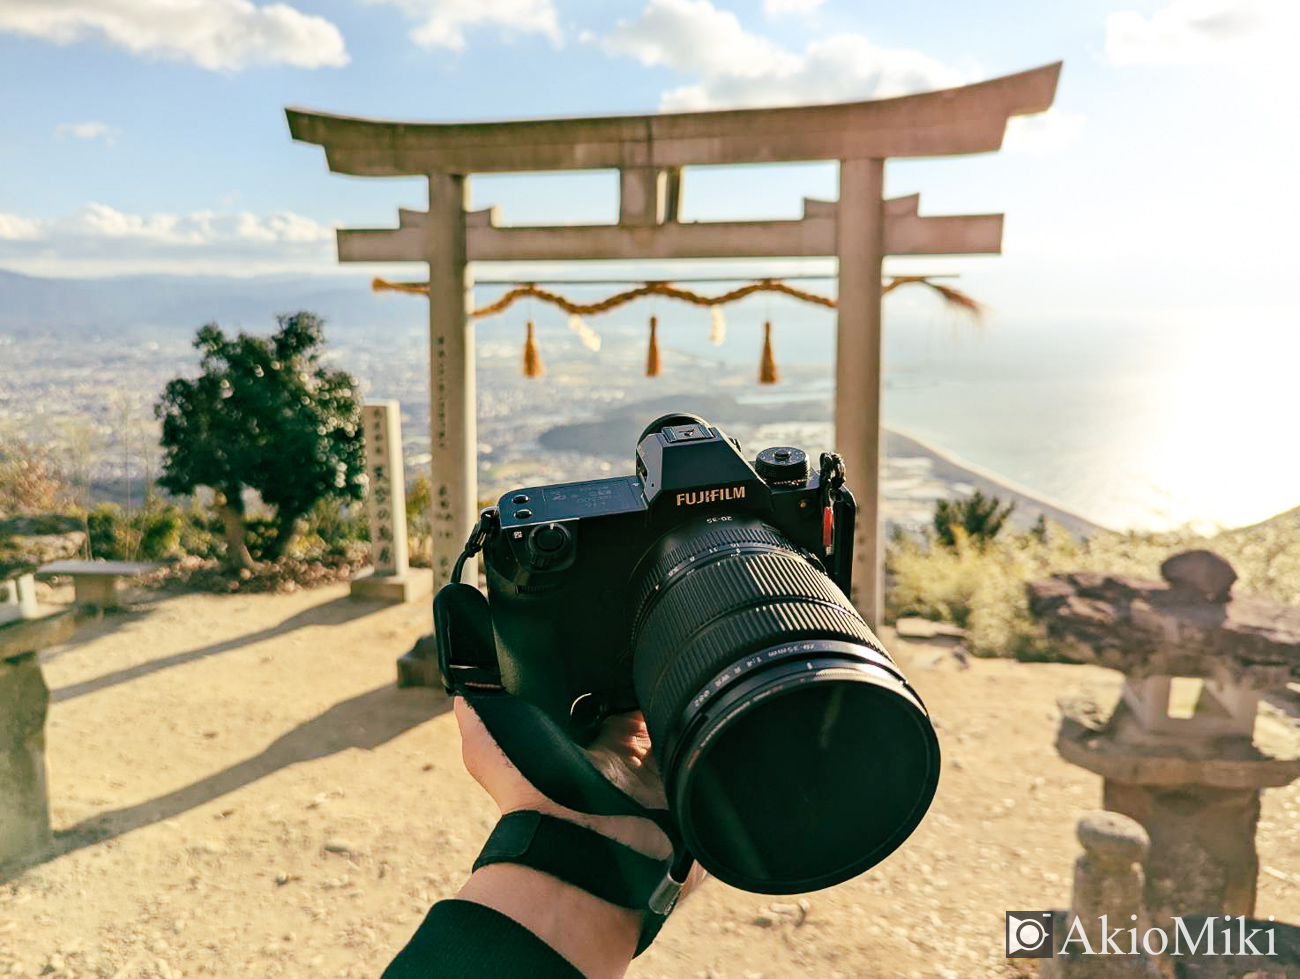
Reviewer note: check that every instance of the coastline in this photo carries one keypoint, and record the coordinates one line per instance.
(952, 471)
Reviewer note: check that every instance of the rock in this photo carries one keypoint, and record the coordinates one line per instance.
(763, 920)
(28, 542)
(1113, 838)
(1201, 573)
(342, 847)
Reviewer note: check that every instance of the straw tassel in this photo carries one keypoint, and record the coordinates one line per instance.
(767, 372)
(652, 356)
(586, 335)
(533, 366)
(718, 327)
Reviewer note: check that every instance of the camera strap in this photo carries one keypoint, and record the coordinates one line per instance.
(558, 768)
(575, 854)
(548, 758)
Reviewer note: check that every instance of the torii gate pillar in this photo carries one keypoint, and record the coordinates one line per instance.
(453, 388)
(649, 152)
(859, 366)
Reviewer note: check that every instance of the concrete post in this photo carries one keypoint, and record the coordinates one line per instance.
(1107, 882)
(453, 422)
(860, 241)
(24, 799)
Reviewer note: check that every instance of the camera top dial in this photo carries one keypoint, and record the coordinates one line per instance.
(782, 464)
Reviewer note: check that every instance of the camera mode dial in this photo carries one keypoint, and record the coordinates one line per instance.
(547, 546)
(782, 464)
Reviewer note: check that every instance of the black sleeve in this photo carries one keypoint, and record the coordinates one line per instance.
(464, 940)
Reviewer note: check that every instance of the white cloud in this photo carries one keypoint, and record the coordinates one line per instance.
(775, 8)
(97, 238)
(15, 228)
(213, 34)
(1198, 32)
(89, 131)
(738, 68)
(1045, 132)
(442, 23)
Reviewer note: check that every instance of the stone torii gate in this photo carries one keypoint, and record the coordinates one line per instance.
(649, 152)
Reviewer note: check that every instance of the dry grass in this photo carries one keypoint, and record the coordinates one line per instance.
(981, 587)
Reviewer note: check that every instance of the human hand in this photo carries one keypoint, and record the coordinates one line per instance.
(597, 937)
(621, 752)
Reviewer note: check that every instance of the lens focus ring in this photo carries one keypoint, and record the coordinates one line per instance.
(721, 535)
(747, 588)
(724, 586)
(731, 637)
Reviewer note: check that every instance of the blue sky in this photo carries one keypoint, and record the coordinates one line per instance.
(149, 135)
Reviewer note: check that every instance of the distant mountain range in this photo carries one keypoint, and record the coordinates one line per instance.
(174, 305)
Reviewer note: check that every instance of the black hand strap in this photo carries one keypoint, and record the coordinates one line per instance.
(561, 771)
(548, 758)
(576, 855)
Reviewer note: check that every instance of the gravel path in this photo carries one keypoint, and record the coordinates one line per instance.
(240, 790)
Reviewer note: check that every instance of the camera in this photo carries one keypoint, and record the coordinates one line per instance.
(710, 593)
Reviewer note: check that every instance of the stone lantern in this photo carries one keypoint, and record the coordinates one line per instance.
(26, 543)
(1186, 752)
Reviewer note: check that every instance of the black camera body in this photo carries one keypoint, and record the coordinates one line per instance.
(711, 594)
(561, 569)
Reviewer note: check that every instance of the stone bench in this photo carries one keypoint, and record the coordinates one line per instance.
(95, 582)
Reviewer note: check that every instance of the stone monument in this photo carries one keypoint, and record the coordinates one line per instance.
(389, 577)
(1186, 752)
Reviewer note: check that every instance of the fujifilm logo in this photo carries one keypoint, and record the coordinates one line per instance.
(711, 496)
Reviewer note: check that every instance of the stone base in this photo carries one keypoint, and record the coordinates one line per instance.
(24, 799)
(419, 667)
(415, 584)
(1203, 857)
(98, 590)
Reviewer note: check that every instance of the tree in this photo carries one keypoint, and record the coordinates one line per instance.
(981, 517)
(265, 415)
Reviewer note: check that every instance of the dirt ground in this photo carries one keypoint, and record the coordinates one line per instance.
(240, 790)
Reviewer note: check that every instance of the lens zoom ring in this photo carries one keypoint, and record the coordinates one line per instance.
(729, 584)
(728, 639)
(718, 536)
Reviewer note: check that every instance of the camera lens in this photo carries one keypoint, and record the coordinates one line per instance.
(794, 753)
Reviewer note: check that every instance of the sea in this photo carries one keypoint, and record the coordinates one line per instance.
(1131, 425)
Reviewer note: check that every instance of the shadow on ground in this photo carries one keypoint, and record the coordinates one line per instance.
(105, 624)
(335, 612)
(366, 721)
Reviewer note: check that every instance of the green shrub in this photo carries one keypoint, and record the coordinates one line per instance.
(159, 527)
(333, 525)
(978, 516)
(419, 529)
(202, 533)
(107, 532)
(154, 533)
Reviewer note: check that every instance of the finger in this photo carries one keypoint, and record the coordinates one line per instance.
(482, 756)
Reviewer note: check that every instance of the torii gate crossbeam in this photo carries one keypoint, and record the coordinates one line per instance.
(859, 229)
